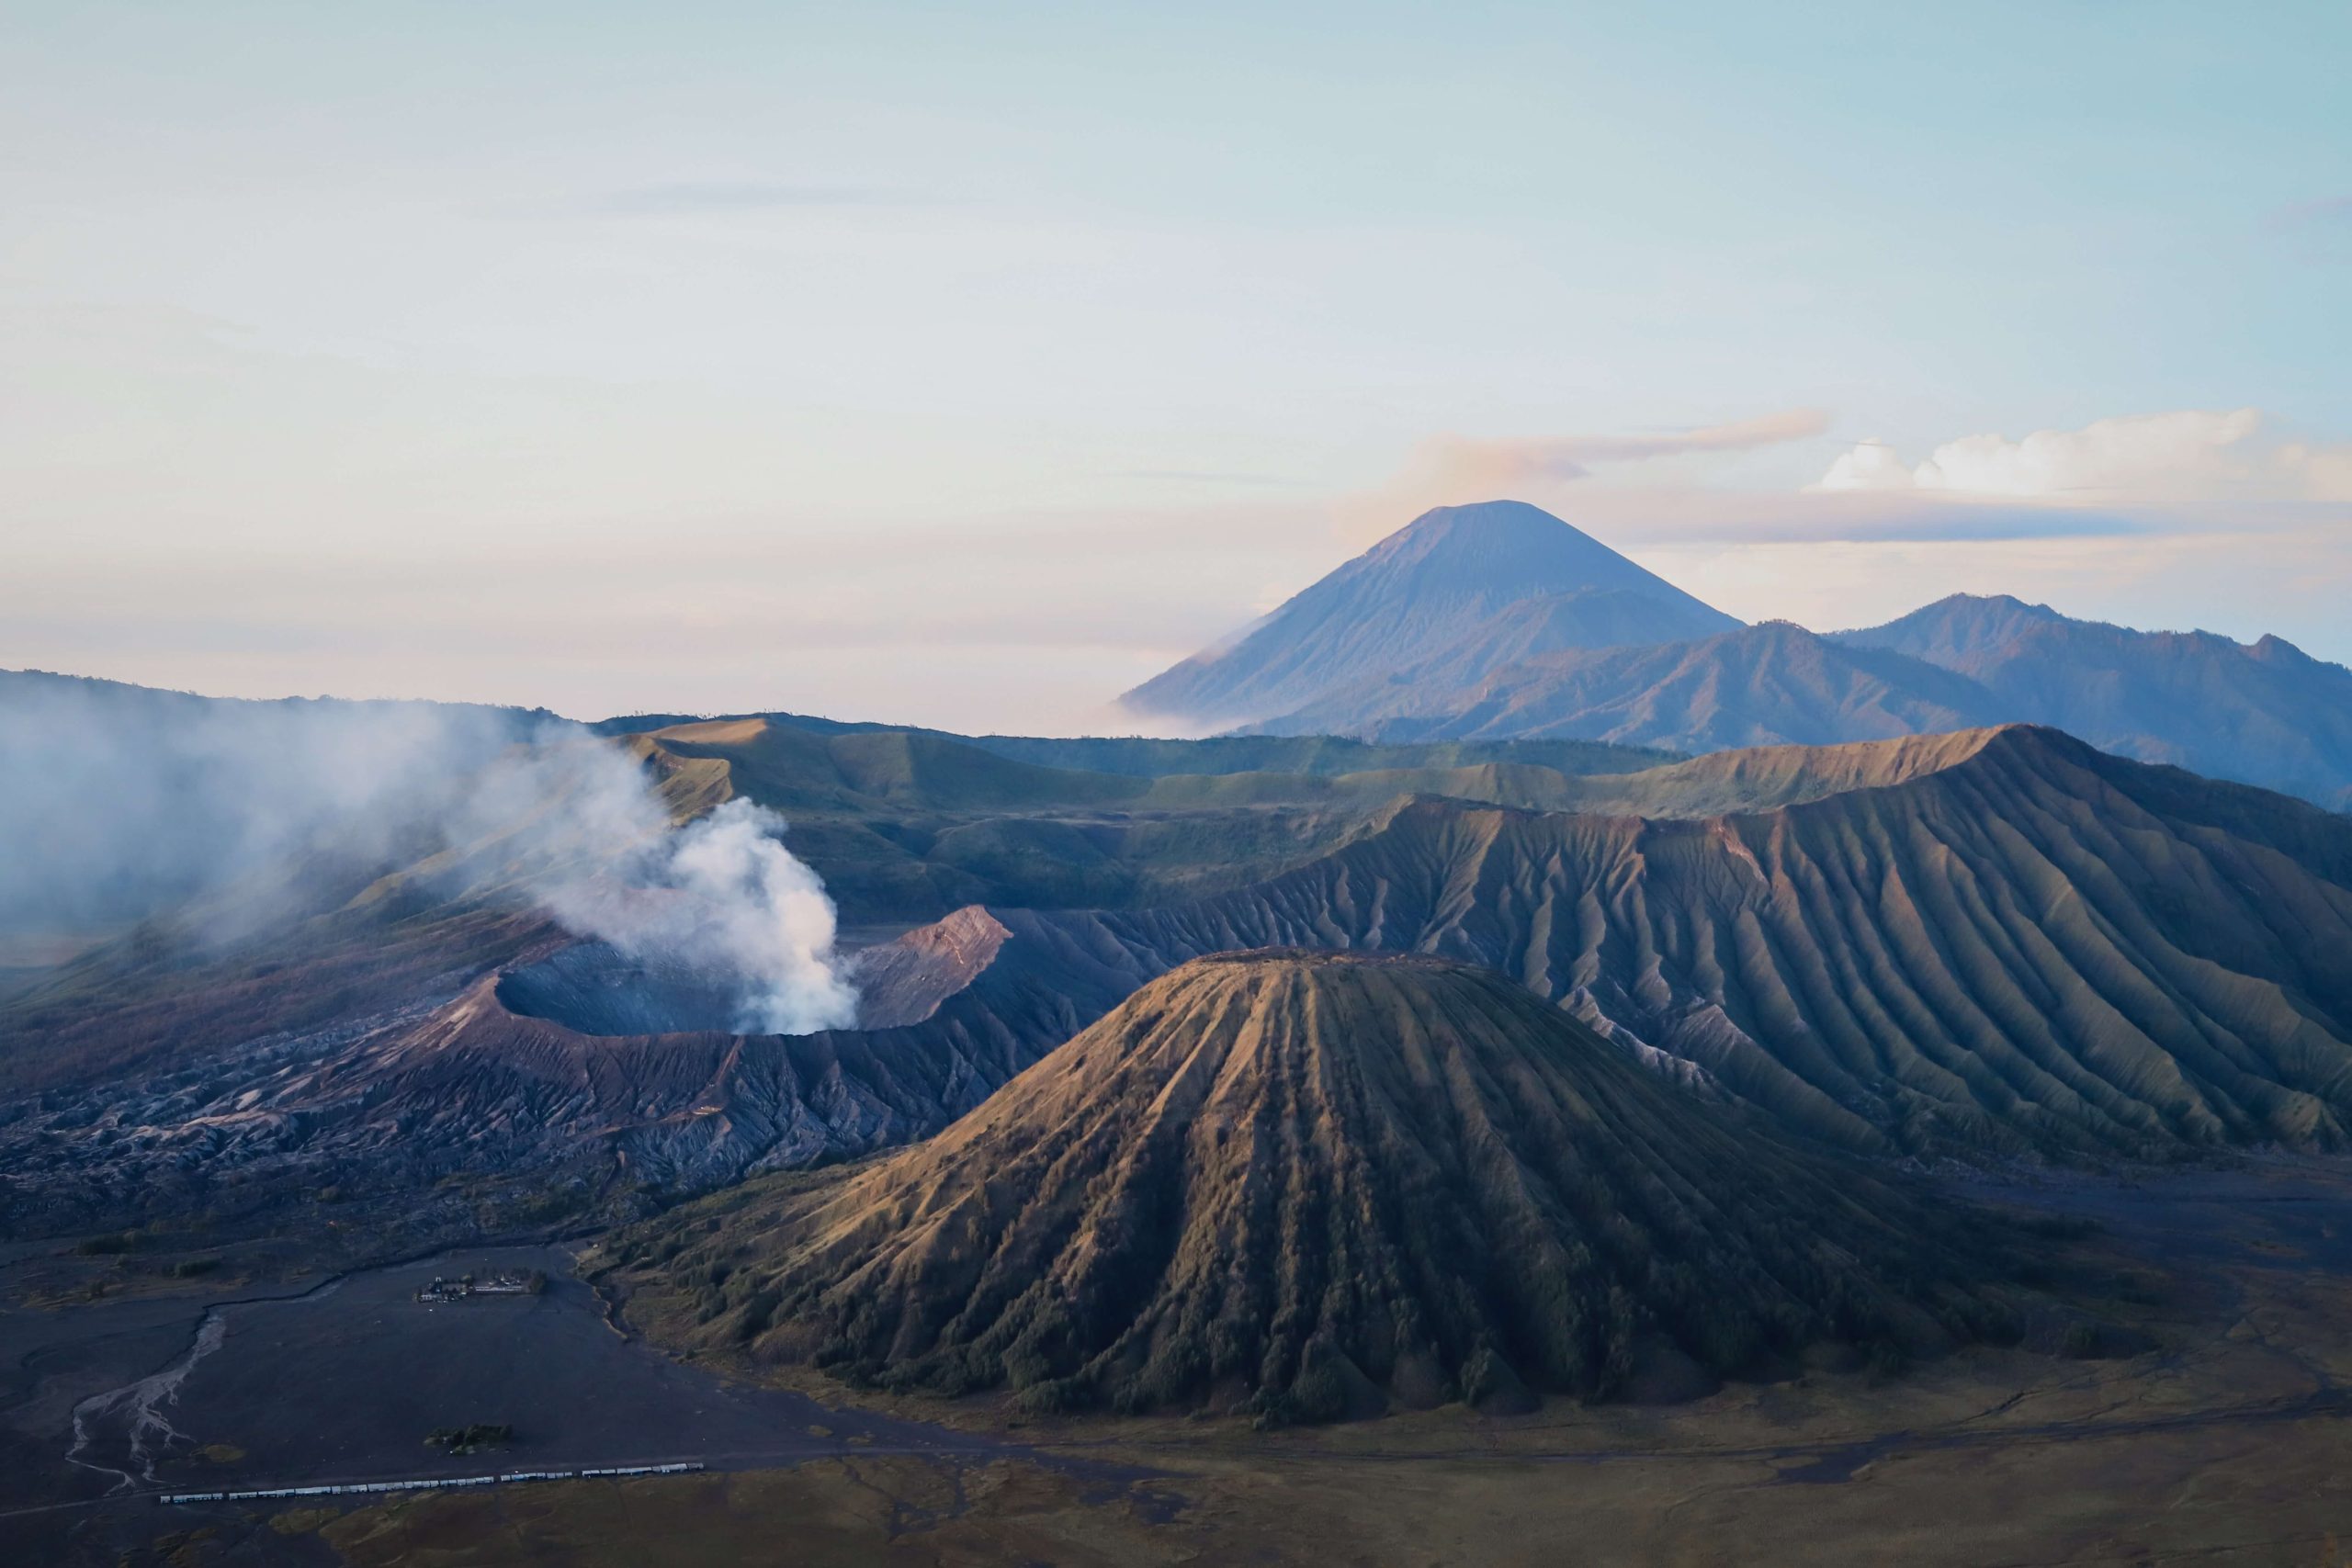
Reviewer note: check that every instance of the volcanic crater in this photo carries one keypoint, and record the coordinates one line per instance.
(594, 988)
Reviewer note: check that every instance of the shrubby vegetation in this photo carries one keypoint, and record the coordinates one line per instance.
(470, 1440)
(112, 1243)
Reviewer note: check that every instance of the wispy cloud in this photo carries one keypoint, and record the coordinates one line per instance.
(1450, 469)
(1687, 515)
(1475, 462)
(684, 197)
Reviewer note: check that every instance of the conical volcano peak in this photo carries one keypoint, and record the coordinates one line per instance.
(1434, 586)
(1501, 530)
(1315, 1185)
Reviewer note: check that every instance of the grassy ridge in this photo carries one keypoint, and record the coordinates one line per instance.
(908, 824)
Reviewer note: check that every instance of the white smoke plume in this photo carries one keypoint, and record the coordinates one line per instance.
(119, 803)
(722, 896)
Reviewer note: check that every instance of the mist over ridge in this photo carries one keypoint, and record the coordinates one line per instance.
(120, 804)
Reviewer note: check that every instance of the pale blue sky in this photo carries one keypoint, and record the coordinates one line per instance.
(966, 364)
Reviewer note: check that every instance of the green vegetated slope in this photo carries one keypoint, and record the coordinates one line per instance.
(908, 824)
(1311, 755)
(1146, 756)
(870, 769)
(2033, 946)
(1307, 1185)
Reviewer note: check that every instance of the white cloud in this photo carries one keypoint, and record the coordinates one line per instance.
(1870, 465)
(2158, 457)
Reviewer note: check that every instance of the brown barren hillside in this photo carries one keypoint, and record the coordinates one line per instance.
(1309, 1184)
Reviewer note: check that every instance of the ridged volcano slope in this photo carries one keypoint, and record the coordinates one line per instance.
(1305, 1184)
(2035, 946)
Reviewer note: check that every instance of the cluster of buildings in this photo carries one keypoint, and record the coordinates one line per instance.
(464, 1285)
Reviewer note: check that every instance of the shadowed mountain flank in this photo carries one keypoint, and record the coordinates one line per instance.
(1308, 1185)
(2034, 947)
(1435, 586)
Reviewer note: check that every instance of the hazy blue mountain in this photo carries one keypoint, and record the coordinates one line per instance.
(1765, 685)
(1956, 631)
(2263, 712)
(1484, 584)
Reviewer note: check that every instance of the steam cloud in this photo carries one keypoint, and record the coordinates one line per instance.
(723, 895)
(118, 804)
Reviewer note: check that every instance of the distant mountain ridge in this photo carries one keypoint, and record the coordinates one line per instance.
(2263, 712)
(1434, 586)
(1771, 684)
(1959, 630)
